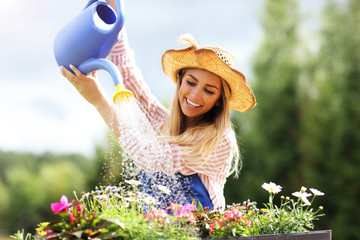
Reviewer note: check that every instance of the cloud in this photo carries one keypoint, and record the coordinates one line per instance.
(40, 110)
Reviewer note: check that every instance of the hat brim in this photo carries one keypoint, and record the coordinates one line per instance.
(242, 98)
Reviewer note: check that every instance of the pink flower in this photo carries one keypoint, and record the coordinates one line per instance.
(72, 218)
(174, 206)
(186, 208)
(248, 222)
(62, 205)
(156, 213)
(79, 207)
(188, 215)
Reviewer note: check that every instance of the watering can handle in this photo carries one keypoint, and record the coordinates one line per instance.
(94, 64)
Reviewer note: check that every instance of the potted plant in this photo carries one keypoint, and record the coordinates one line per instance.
(124, 212)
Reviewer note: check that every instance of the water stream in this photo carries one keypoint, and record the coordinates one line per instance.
(135, 121)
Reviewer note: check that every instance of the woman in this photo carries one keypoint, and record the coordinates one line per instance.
(196, 143)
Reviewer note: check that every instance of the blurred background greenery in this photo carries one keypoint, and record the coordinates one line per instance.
(304, 131)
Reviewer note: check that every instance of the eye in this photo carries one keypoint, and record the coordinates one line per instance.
(190, 83)
(209, 92)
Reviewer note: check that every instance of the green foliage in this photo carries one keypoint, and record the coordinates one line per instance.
(270, 132)
(331, 125)
(4, 200)
(305, 127)
(20, 235)
(111, 162)
(77, 223)
(117, 212)
(126, 213)
(112, 165)
(290, 216)
(28, 181)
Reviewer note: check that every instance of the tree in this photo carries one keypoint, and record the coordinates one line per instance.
(29, 183)
(331, 141)
(270, 132)
(113, 165)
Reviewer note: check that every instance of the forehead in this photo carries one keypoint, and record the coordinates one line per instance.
(204, 77)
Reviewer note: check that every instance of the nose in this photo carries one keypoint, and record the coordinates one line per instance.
(196, 94)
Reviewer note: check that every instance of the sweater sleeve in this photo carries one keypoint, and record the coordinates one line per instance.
(123, 57)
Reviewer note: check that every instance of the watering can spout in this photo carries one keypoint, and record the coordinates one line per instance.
(122, 94)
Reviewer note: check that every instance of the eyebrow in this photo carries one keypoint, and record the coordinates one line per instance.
(208, 85)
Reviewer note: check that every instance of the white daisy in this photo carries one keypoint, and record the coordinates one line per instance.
(316, 192)
(303, 196)
(271, 187)
(164, 189)
(133, 182)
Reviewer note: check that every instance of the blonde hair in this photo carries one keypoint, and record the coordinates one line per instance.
(199, 140)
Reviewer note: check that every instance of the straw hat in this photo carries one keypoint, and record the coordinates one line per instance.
(212, 59)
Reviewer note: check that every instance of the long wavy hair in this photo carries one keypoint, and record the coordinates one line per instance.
(202, 137)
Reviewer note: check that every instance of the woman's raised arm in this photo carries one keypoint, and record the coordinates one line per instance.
(89, 87)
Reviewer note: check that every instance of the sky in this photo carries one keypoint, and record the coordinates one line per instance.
(41, 111)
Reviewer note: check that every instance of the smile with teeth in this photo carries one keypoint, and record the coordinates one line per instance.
(192, 104)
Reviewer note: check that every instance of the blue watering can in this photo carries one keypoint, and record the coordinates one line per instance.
(87, 40)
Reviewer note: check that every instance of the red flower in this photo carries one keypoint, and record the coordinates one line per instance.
(248, 222)
(174, 206)
(188, 215)
(156, 213)
(72, 218)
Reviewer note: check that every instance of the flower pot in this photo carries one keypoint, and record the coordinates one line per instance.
(312, 235)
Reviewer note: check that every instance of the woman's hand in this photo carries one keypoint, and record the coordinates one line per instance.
(87, 85)
(91, 90)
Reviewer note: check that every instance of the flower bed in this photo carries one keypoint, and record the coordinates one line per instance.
(313, 235)
(125, 213)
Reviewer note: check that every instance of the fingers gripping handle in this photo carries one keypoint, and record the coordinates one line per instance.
(94, 64)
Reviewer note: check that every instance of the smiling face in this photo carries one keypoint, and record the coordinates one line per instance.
(199, 92)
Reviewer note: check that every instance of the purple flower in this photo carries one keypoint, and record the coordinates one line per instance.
(62, 205)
